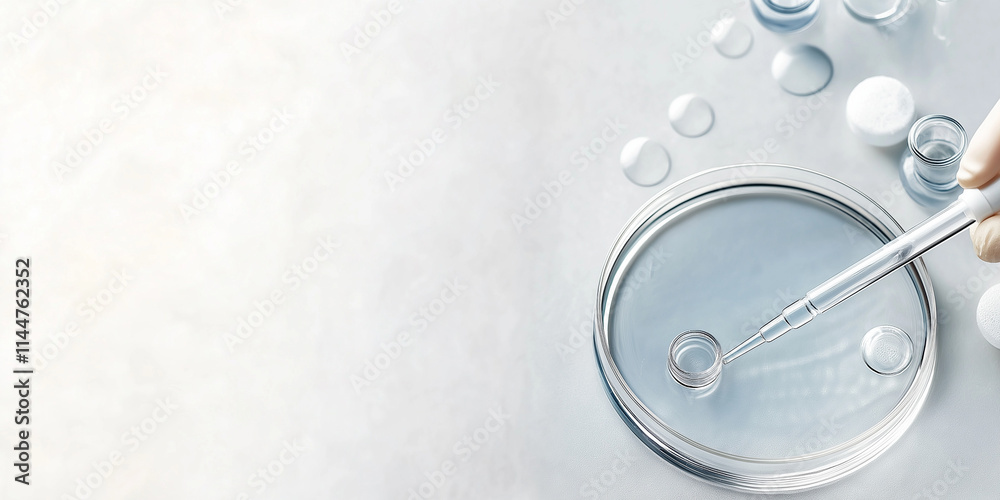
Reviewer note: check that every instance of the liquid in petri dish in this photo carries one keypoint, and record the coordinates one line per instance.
(691, 115)
(645, 162)
(802, 69)
(732, 38)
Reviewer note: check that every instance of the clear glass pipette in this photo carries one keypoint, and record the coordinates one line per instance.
(973, 205)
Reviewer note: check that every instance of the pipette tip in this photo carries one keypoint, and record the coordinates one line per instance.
(747, 345)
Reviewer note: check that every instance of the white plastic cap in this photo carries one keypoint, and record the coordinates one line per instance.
(880, 111)
(988, 315)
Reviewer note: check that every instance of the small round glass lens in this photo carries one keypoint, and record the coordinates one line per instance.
(802, 69)
(887, 350)
(731, 38)
(691, 115)
(645, 162)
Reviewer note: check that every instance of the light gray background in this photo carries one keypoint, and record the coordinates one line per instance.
(163, 337)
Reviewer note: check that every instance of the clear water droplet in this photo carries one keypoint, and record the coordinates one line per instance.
(887, 350)
(645, 162)
(802, 69)
(732, 38)
(691, 115)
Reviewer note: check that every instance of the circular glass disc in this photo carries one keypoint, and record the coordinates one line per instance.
(645, 162)
(691, 115)
(802, 69)
(724, 252)
(732, 38)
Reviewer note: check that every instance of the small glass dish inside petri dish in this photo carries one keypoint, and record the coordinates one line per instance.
(887, 350)
(695, 359)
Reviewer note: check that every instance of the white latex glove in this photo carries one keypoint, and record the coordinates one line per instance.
(980, 165)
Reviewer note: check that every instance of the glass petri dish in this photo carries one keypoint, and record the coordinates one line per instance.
(724, 251)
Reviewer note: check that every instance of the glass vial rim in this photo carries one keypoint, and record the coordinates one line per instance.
(926, 121)
(789, 10)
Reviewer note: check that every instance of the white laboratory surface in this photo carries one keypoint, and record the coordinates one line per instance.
(275, 257)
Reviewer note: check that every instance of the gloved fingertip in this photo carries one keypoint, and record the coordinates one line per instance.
(966, 178)
(989, 255)
(986, 239)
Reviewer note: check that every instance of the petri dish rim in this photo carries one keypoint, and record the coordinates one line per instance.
(748, 473)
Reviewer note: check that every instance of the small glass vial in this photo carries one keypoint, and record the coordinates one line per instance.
(785, 16)
(943, 13)
(930, 163)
